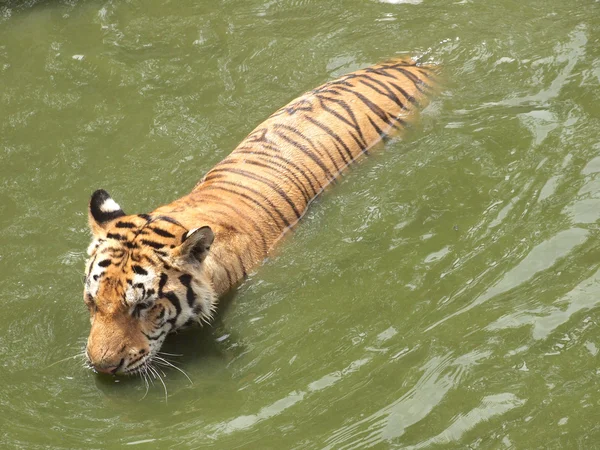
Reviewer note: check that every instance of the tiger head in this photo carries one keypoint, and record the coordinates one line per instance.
(144, 278)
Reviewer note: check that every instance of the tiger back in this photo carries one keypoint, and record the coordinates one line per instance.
(189, 252)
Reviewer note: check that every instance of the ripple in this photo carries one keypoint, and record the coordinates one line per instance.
(583, 297)
(491, 406)
(440, 374)
(540, 258)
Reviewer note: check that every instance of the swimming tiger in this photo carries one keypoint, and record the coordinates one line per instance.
(150, 274)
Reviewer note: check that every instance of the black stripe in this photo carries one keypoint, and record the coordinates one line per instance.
(374, 125)
(168, 219)
(276, 168)
(125, 225)
(268, 144)
(412, 77)
(246, 218)
(378, 71)
(91, 266)
(147, 258)
(161, 232)
(117, 236)
(288, 174)
(424, 72)
(337, 168)
(139, 270)
(360, 140)
(387, 93)
(105, 263)
(296, 107)
(341, 82)
(281, 158)
(114, 252)
(119, 366)
(131, 363)
(162, 282)
(156, 245)
(246, 196)
(244, 274)
(257, 135)
(169, 296)
(219, 202)
(376, 109)
(335, 136)
(186, 281)
(310, 142)
(305, 150)
(229, 277)
(383, 115)
(260, 179)
(155, 338)
(406, 95)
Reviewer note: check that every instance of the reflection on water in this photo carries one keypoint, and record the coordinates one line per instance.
(491, 405)
(540, 258)
(440, 374)
(545, 320)
(245, 422)
(445, 293)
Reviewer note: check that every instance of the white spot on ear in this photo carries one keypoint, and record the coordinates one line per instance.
(189, 233)
(109, 206)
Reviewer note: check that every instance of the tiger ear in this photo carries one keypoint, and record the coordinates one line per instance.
(102, 210)
(195, 246)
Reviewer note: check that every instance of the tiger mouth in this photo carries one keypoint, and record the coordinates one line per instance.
(140, 365)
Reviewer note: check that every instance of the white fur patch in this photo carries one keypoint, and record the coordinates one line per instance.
(94, 284)
(109, 206)
(93, 245)
(134, 292)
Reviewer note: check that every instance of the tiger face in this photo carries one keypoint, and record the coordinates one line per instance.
(144, 278)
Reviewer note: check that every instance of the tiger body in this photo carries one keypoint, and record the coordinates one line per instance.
(150, 274)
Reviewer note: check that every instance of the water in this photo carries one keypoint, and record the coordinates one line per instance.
(445, 294)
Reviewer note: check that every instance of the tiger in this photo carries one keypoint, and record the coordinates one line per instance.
(149, 275)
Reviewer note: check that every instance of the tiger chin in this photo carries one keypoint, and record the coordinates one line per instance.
(145, 278)
(151, 274)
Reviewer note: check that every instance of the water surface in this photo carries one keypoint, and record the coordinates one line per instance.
(445, 293)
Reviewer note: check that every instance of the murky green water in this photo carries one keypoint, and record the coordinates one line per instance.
(445, 294)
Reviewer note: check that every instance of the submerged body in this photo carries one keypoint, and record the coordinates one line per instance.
(150, 274)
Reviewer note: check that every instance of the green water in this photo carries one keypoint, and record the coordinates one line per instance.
(444, 295)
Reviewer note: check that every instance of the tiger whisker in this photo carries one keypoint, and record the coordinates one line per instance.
(78, 355)
(143, 377)
(160, 360)
(149, 374)
(169, 354)
(166, 359)
(157, 375)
